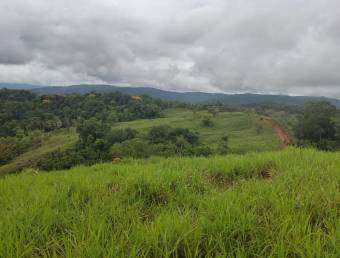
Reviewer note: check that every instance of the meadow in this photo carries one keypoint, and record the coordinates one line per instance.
(271, 204)
(246, 131)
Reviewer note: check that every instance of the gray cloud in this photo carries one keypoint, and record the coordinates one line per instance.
(267, 46)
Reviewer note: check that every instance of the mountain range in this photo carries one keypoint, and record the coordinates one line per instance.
(188, 97)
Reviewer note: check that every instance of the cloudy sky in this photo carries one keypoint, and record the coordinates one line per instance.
(262, 46)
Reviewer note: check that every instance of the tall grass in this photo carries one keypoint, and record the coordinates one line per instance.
(275, 204)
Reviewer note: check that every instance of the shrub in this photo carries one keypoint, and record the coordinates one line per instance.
(136, 148)
(166, 134)
(59, 159)
(203, 151)
(223, 147)
(206, 122)
(159, 134)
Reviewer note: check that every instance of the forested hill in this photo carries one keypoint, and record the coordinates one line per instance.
(188, 97)
(22, 110)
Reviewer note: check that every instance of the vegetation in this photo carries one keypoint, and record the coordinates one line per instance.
(206, 122)
(107, 126)
(23, 111)
(178, 199)
(276, 204)
(58, 141)
(132, 139)
(316, 126)
(28, 120)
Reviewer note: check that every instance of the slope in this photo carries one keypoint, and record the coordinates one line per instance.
(276, 204)
(188, 97)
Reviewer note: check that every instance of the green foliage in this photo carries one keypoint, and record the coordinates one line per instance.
(276, 204)
(57, 160)
(160, 141)
(213, 110)
(118, 136)
(21, 110)
(166, 134)
(159, 134)
(207, 122)
(204, 141)
(93, 144)
(223, 147)
(96, 139)
(203, 151)
(135, 148)
(182, 146)
(11, 147)
(316, 125)
(39, 145)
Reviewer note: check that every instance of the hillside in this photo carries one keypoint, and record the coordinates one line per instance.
(275, 204)
(19, 86)
(187, 97)
(247, 132)
(51, 142)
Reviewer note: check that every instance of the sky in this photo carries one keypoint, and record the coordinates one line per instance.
(233, 46)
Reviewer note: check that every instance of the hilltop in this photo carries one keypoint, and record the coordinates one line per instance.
(273, 204)
(186, 97)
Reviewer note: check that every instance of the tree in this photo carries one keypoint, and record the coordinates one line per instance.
(223, 147)
(93, 144)
(136, 148)
(159, 134)
(316, 125)
(182, 146)
(119, 136)
(206, 122)
(213, 110)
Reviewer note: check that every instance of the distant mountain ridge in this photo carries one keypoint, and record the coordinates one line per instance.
(188, 97)
(19, 86)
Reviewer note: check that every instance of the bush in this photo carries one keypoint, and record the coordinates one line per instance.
(58, 160)
(159, 134)
(122, 135)
(11, 147)
(136, 148)
(206, 122)
(203, 151)
(223, 147)
(166, 134)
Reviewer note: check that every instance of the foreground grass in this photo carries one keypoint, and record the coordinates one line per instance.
(275, 204)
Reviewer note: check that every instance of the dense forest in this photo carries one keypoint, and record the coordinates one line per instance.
(25, 111)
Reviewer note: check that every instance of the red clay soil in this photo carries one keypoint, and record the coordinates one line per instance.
(282, 135)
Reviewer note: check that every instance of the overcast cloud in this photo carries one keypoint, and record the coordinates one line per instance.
(262, 46)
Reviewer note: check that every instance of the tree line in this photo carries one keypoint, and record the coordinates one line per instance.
(25, 117)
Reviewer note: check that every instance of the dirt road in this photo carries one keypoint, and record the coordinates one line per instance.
(280, 133)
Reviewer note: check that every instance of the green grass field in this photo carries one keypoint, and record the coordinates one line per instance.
(271, 204)
(246, 132)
